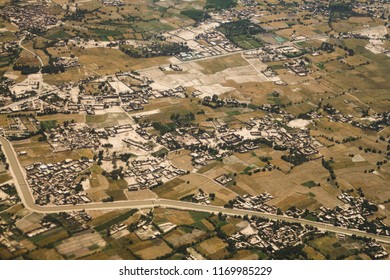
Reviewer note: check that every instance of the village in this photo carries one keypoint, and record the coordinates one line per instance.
(55, 183)
(271, 108)
(28, 18)
(270, 235)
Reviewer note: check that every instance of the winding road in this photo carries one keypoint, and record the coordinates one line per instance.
(27, 198)
(33, 53)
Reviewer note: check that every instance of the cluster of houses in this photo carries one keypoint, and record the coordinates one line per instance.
(8, 196)
(144, 228)
(379, 119)
(249, 3)
(229, 15)
(335, 115)
(220, 44)
(269, 235)
(75, 221)
(137, 144)
(64, 138)
(44, 227)
(200, 197)
(8, 48)
(115, 3)
(298, 66)
(223, 179)
(27, 18)
(20, 128)
(375, 250)
(7, 236)
(204, 38)
(272, 53)
(124, 89)
(171, 67)
(67, 62)
(375, 8)
(266, 129)
(254, 203)
(353, 214)
(150, 172)
(224, 140)
(55, 183)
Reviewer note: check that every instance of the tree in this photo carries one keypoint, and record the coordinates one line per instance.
(78, 188)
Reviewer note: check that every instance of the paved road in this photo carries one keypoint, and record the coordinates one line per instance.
(28, 201)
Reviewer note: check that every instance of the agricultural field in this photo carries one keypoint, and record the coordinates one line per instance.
(332, 248)
(278, 107)
(213, 247)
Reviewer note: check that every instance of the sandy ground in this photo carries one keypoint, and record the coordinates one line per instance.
(140, 195)
(358, 158)
(78, 246)
(146, 113)
(298, 123)
(208, 84)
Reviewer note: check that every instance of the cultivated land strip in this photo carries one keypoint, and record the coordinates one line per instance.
(26, 196)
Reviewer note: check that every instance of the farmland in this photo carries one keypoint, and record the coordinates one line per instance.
(278, 107)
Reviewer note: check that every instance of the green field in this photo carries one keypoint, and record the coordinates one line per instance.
(246, 42)
(116, 220)
(194, 14)
(104, 33)
(47, 125)
(309, 184)
(50, 237)
(220, 4)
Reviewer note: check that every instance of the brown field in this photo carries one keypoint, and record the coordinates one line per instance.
(96, 179)
(62, 117)
(70, 75)
(332, 248)
(102, 217)
(176, 217)
(50, 237)
(214, 247)
(212, 66)
(42, 152)
(139, 195)
(171, 106)
(4, 177)
(178, 237)
(229, 229)
(281, 186)
(208, 167)
(313, 254)
(245, 255)
(107, 61)
(103, 255)
(301, 201)
(150, 249)
(81, 245)
(27, 58)
(191, 185)
(29, 222)
(181, 159)
(5, 254)
(361, 256)
(108, 119)
(258, 93)
(45, 254)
